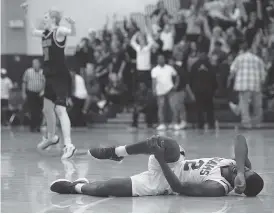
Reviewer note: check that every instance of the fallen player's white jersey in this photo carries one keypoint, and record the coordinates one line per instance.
(200, 170)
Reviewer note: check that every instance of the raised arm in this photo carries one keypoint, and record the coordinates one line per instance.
(133, 41)
(241, 157)
(34, 31)
(64, 31)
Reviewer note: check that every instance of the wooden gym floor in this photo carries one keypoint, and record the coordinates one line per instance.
(27, 174)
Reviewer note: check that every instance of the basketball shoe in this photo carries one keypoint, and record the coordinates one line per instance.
(104, 154)
(63, 186)
(46, 142)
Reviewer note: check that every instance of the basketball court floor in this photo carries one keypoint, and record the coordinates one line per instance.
(27, 174)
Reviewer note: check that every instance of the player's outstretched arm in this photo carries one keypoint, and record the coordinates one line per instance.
(205, 189)
(64, 31)
(241, 157)
(34, 31)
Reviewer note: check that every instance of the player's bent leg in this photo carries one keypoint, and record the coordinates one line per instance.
(172, 150)
(62, 114)
(119, 187)
(50, 117)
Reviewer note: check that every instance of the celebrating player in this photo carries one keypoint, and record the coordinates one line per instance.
(58, 80)
(169, 173)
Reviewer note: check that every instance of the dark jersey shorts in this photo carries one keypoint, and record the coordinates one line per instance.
(57, 89)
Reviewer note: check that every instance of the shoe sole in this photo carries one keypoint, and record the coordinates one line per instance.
(100, 160)
(58, 180)
(70, 155)
(52, 144)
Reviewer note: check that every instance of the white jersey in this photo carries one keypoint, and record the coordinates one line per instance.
(200, 170)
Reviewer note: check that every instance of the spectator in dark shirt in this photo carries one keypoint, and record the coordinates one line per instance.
(92, 86)
(203, 83)
(144, 103)
(181, 89)
(115, 91)
(118, 60)
(82, 54)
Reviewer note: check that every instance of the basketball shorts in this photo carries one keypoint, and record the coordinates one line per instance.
(57, 90)
(153, 181)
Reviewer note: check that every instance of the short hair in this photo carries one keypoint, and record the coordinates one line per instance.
(55, 14)
(254, 185)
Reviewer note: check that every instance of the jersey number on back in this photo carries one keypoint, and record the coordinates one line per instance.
(46, 53)
(193, 165)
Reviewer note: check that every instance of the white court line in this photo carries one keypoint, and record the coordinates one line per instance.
(84, 209)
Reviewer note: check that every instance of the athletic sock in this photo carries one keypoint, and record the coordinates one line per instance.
(121, 151)
(65, 124)
(78, 188)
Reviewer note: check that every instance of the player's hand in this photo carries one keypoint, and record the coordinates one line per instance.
(25, 6)
(240, 183)
(70, 20)
(157, 147)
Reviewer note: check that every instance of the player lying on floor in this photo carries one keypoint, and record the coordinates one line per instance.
(169, 173)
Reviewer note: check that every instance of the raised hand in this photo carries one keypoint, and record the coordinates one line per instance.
(25, 6)
(157, 147)
(70, 20)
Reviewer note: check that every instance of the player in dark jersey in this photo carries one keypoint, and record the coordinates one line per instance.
(169, 173)
(58, 79)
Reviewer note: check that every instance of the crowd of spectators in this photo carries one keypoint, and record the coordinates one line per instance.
(170, 57)
(117, 60)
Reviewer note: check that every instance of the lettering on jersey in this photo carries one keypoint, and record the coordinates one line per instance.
(193, 165)
(210, 165)
(47, 43)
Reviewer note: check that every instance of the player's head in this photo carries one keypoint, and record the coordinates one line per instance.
(254, 182)
(52, 18)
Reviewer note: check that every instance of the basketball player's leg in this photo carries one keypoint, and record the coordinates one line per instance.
(48, 110)
(61, 90)
(172, 149)
(119, 187)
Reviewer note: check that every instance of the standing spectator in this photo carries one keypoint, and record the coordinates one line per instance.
(192, 55)
(93, 88)
(6, 86)
(144, 103)
(197, 23)
(180, 50)
(204, 84)
(162, 78)
(33, 89)
(217, 36)
(160, 13)
(143, 60)
(179, 95)
(82, 54)
(79, 95)
(118, 60)
(249, 74)
(114, 92)
(167, 37)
